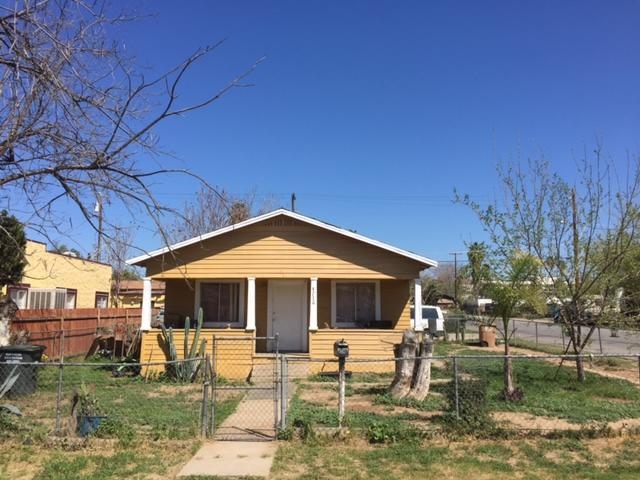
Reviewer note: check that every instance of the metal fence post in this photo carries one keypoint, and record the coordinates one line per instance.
(277, 385)
(204, 411)
(341, 389)
(284, 379)
(600, 340)
(455, 382)
(58, 428)
(462, 331)
(213, 387)
(536, 324)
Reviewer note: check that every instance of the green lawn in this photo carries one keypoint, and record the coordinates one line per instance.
(555, 392)
(157, 408)
(530, 459)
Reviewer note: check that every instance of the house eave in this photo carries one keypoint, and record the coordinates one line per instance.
(251, 221)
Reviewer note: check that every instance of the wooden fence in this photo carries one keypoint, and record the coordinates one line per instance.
(69, 332)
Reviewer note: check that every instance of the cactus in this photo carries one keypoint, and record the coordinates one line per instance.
(185, 371)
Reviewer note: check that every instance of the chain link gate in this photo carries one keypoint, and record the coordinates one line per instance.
(247, 390)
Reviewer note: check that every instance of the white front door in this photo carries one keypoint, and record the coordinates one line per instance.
(288, 314)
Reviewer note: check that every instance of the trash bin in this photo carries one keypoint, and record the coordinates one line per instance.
(12, 359)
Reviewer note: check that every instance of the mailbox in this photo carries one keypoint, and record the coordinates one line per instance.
(341, 349)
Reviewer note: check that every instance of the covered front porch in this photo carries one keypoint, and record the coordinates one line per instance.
(302, 312)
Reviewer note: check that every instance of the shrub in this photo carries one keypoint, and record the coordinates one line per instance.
(473, 413)
(390, 430)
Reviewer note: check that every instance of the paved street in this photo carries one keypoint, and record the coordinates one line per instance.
(547, 332)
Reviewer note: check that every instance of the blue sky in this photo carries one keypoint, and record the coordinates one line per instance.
(373, 112)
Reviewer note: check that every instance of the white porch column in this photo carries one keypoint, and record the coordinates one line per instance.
(251, 304)
(417, 305)
(313, 305)
(145, 322)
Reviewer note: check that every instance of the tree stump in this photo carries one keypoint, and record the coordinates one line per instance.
(422, 372)
(405, 355)
(413, 367)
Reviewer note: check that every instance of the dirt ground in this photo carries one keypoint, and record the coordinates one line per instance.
(325, 394)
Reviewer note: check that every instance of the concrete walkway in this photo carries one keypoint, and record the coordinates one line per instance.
(232, 459)
(242, 444)
(255, 417)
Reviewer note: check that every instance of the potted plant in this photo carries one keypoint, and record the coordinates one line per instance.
(87, 411)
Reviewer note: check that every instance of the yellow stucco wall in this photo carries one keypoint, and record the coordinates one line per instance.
(53, 270)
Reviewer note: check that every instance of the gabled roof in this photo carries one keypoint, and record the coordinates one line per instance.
(290, 214)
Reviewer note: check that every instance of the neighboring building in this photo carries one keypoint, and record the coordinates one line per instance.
(284, 273)
(129, 294)
(55, 280)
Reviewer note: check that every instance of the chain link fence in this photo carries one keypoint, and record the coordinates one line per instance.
(467, 395)
(249, 384)
(120, 400)
(289, 395)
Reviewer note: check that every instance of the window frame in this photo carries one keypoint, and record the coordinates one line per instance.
(102, 294)
(334, 303)
(242, 321)
(20, 287)
(75, 298)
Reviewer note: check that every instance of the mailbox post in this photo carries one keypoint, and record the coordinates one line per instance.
(341, 350)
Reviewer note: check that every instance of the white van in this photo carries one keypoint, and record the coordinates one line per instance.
(432, 320)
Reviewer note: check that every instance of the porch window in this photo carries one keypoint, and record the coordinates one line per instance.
(356, 304)
(220, 302)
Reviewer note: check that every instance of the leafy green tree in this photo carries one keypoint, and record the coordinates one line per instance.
(477, 269)
(13, 261)
(515, 286)
(580, 232)
(13, 243)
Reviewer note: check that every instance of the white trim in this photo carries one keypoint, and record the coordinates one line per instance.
(145, 320)
(313, 304)
(333, 302)
(241, 302)
(427, 261)
(417, 302)
(251, 304)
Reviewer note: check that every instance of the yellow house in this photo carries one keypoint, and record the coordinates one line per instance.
(55, 280)
(283, 273)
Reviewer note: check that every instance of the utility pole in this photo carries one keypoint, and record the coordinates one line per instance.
(99, 212)
(455, 275)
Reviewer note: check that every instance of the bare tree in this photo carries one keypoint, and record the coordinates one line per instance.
(213, 209)
(438, 282)
(579, 233)
(77, 116)
(118, 249)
